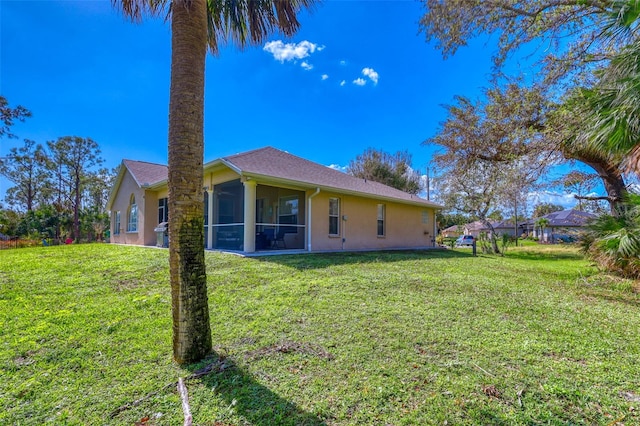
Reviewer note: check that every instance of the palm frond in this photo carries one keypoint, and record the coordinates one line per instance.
(137, 9)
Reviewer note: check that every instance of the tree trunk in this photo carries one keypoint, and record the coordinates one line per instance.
(492, 239)
(189, 301)
(609, 172)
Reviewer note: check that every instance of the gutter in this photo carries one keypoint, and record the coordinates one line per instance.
(309, 220)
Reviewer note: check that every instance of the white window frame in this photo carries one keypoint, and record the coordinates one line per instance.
(116, 223)
(335, 215)
(132, 216)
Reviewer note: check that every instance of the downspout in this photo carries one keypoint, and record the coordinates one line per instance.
(435, 229)
(309, 219)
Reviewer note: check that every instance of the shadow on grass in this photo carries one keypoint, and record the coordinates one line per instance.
(542, 255)
(257, 404)
(323, 260)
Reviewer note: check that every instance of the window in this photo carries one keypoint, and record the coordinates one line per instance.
(116, 224)
(425, 216)
(334, 216)
(163, 210)
(380, 220)
(132, 222)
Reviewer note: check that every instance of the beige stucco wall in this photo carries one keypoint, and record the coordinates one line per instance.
(147, 201)
(403, 223)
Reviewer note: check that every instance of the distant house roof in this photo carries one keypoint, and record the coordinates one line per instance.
(568, 218)
(453, 228)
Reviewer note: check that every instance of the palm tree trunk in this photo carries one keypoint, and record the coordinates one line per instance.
(190, 307)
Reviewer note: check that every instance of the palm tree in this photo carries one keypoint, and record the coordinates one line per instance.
(542, 223)
(614, 102)
(613, 241)
(198, 26)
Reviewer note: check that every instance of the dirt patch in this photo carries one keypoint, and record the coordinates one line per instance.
(288, 347)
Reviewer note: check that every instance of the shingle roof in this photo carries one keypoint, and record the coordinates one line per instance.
(568, 218)
(274, 163)
(146, 173)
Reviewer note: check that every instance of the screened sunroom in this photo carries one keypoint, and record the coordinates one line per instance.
(273, 217)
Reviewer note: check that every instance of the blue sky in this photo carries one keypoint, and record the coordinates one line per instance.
(358, 74)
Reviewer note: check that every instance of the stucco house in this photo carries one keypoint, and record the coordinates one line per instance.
(267, 199)
(562, 225)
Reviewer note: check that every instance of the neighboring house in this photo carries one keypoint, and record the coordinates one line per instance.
(269, 199)
(452, 231)
(562, 224)
(477, 227)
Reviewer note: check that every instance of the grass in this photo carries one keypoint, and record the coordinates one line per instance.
(398, 338)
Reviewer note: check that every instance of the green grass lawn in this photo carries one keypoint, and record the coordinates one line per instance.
(401, 338)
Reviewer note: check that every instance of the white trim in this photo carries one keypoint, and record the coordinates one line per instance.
(309, 222)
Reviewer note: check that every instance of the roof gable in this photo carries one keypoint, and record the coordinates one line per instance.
(143, 173)
(146, 173)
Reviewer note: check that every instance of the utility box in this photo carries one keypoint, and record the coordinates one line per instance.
(162, 234)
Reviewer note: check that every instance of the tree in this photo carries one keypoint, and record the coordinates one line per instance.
(565, 129)
(570, 35)
(612, 109)
(198, 25)
(8, 116)
(26, 168)
(543, 209)
(613, 241)
(581, 184)
(492, 152)
(75, 157)
(394, 170)
(542, 223)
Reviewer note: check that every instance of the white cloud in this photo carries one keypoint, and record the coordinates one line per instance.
(290, 51)
(343, 82)
(563, 199)
(371, 73)
(306, 66)
(338, 167)
(359, 81)
(324, 76)
(343, 63)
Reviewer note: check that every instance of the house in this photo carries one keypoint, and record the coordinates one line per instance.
(452, 231)
(562, 225)
(477, 227)
(268, 199)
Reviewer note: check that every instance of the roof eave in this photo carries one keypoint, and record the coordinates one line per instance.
(309, 185)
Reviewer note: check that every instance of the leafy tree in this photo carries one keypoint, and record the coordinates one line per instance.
(492, 152)
(8, 116)
(198, 25)
(570, 35)
(9, 220)
(580, 183)
(447, 219)
(394, 170)
(75, 157)
(612, 109)
(543, 209)
(26, 168)
(496, 216)
(565, 129)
